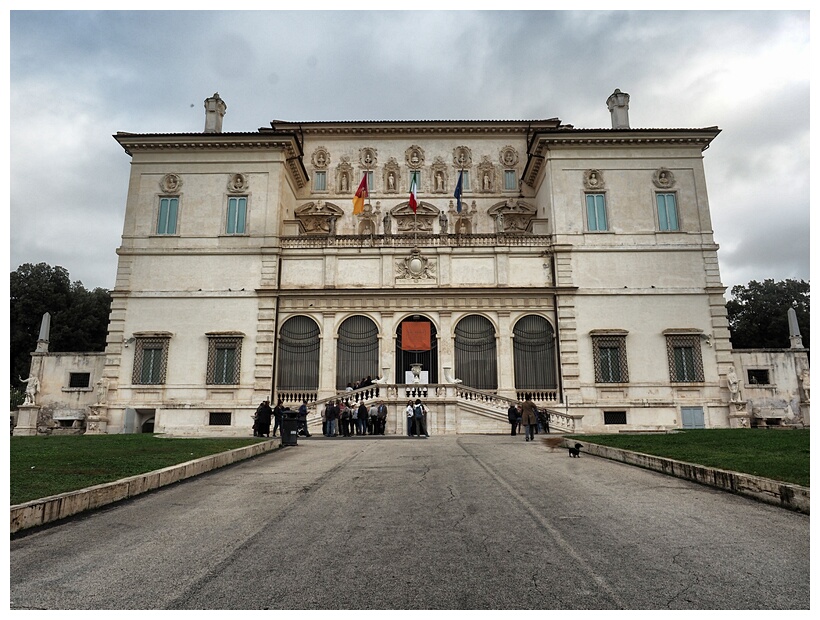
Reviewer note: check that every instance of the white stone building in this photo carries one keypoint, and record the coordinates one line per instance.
(580, 269)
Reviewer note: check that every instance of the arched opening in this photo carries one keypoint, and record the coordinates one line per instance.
(298, 365)
(534, 354)
(147, 426)
(475, 353)
(416, 343)
(357, 351)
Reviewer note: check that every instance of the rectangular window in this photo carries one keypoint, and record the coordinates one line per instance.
(150, 361)
(758, 376)
(320, 180)
(237, 212)
(370, 185)
(685, 361)
(596, 212)
(79, 379)
(614, 417)
(667, 212)
(167, 220)
(465, 181)
(415, 174)
(219, 418)
(224, 355)
(609, 357)
(510, 180)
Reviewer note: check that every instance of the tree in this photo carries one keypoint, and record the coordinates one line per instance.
(758, 313)
(79, 318)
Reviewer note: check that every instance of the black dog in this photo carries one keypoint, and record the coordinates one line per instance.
(576, 451)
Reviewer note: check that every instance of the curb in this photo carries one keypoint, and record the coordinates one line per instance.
(55, 507)
(783, 494)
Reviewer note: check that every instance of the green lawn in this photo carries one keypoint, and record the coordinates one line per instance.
(771, 453)
(43, 466)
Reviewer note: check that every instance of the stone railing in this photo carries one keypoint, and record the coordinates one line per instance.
(434, 393)
(410, 240)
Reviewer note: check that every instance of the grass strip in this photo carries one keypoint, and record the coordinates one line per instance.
(778, 454)
(44, 466)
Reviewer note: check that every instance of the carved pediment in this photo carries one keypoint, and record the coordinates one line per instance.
(408, 222)
(513, 216)
(318, 218)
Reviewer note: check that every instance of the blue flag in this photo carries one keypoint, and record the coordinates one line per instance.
(458, 191)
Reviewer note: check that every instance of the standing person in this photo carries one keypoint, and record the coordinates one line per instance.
(344, 415)
(302, 420)
(332, 419)
(277, 416)
(529, 418)
(361, 420)
(263, 416)
(512, 416)
(518, 419)
(418, 418)
(362, 415)
(373, 421)
(326, 418)
(381, 416)
(409, 413)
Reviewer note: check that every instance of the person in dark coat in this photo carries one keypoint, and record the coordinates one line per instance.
(512, 416)
(263, 417)
(277, 416)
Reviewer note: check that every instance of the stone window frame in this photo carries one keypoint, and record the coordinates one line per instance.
(589, 228)
(222, 371)
(674, 195)
(610, 339)
(244, 230)
(684, 341)
(150, 342)
(159, 229)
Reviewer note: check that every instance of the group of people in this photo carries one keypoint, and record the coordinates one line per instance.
(363, 383)
(416, 418)
(263, 416)
(528, 415)
(340, 418)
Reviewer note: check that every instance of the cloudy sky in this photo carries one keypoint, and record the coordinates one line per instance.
(78, 77)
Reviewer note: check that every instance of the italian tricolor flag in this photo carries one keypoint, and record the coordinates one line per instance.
(413, 189)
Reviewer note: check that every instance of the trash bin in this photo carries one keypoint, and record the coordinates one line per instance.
(290, 428)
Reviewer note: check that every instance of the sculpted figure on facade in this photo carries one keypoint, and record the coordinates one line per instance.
(486, 172)
(237, 183)
(804, 382)
(663, 178)
(170, 183)
(392, 173)
(102, 390)
(513, 216)
(344, 174)
(316, 218)
(462, 157)
(321, 158)
(734, 385)
(508, 156)
(367, 157)
(414, 156)
(593, 179)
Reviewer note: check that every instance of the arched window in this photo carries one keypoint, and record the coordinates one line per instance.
(298, 365)
(476, 361)
(357, 351)
(534, 354)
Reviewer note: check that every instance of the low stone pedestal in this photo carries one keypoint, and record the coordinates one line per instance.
(739, 416)
(27, 420)
(96, 422)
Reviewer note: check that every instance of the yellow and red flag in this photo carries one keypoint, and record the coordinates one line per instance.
(361, 194)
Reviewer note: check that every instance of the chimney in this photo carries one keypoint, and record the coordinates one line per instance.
(618, 104)
(214, 111)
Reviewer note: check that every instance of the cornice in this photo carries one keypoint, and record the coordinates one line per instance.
(392, 128)
(542, 141)
(288, 143)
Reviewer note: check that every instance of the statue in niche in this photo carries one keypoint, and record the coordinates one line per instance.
(462, 227)
(331, 224)
(486, 181)
(344, 182)
(391, 182)
(499, 222)
(414, 158)
(368, 158)
(439, 182)
(320, 159)
(388, 224)
(593, 179)
(442, 222)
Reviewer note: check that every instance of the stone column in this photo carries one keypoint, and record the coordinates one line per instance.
(327, 375)
(506, 376)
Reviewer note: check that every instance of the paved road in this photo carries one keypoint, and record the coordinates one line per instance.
(457, 522)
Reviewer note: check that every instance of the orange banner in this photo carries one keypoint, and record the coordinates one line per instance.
(415, 336)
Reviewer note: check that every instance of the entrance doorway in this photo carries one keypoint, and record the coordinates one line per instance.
(416, 343)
